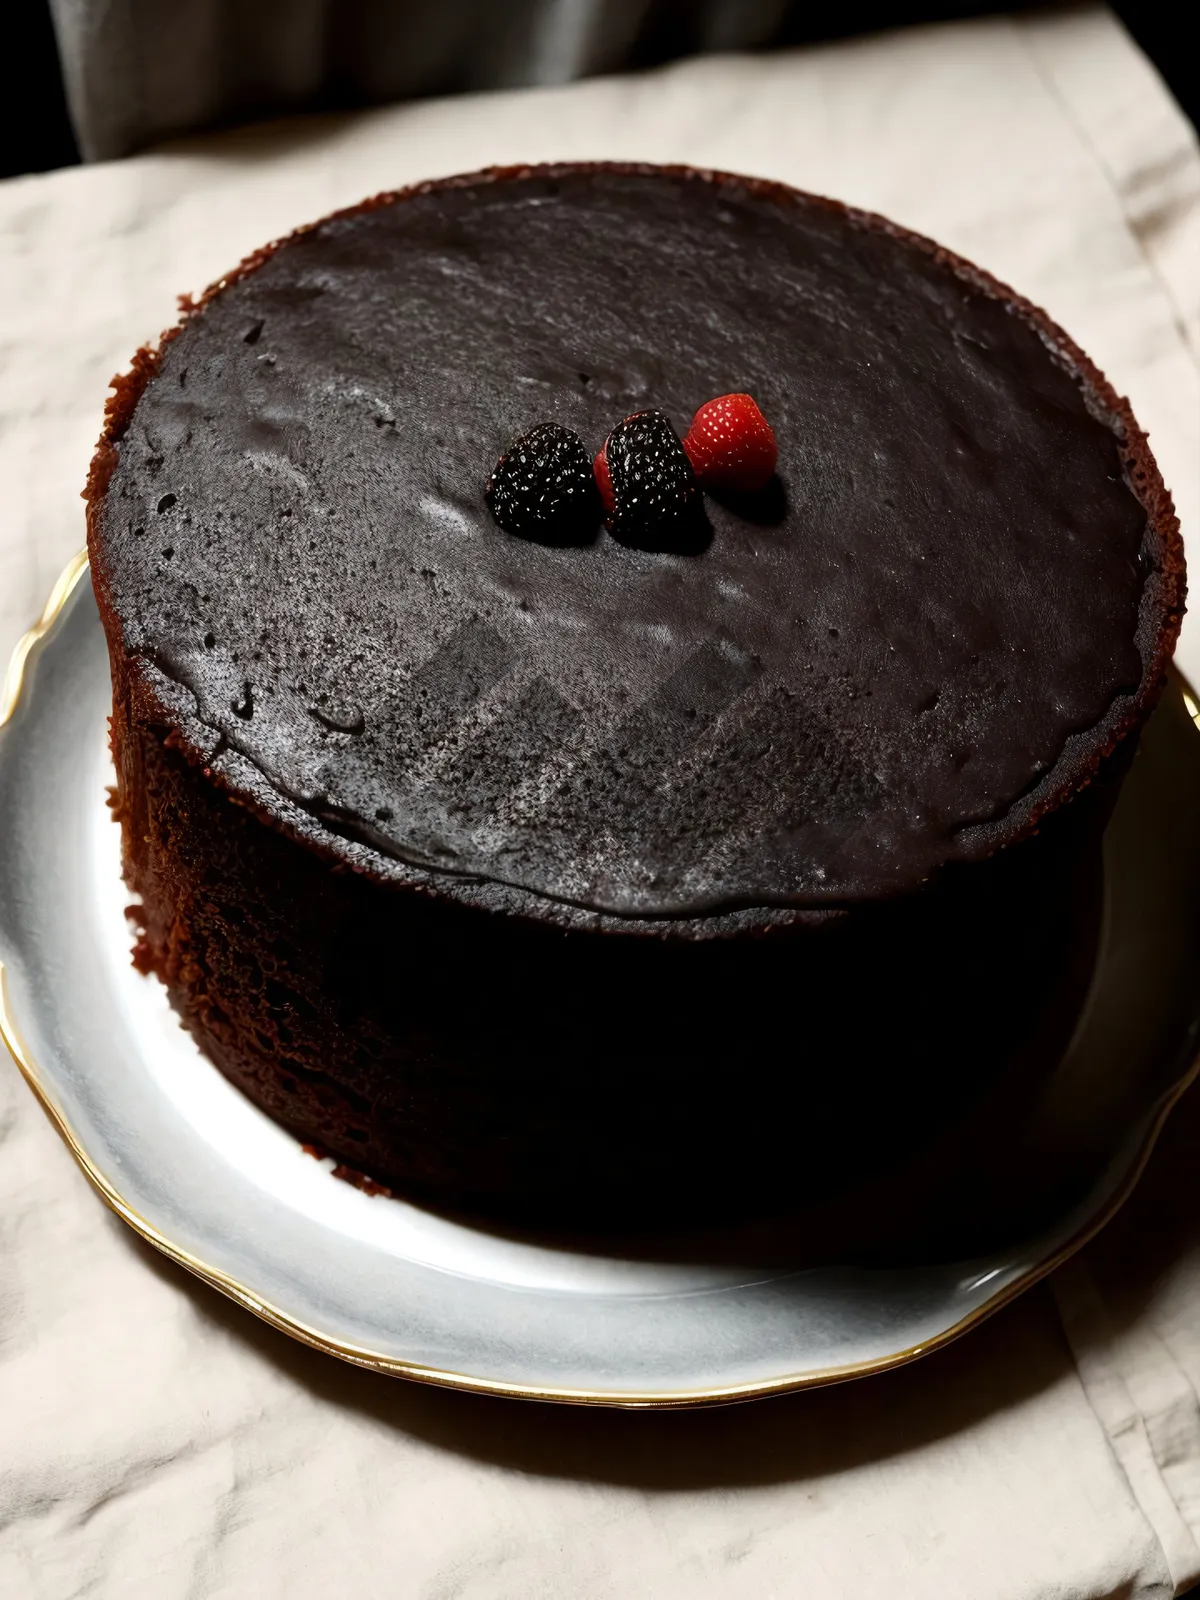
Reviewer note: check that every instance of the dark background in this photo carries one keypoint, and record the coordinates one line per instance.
(35, 131)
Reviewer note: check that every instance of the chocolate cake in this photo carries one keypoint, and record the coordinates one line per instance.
(568, 874)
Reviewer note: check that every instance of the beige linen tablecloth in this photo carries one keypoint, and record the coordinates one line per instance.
(154, 1440)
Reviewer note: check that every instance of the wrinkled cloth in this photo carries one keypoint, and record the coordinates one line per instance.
(157, 1440)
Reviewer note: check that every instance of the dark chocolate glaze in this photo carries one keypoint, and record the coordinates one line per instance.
(959, 603)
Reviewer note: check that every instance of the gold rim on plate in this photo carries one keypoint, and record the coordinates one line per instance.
(358, 1355)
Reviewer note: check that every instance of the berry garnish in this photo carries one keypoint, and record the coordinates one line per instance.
(731, 444)
(542, 487)
(651, 482)
(604, 479)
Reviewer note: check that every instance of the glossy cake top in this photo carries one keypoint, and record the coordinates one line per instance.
(960, 594)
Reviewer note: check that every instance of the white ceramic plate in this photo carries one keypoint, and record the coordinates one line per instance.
(208, 1179)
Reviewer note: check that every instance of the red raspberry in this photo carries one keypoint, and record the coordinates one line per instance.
(731, 445)
(604, 479)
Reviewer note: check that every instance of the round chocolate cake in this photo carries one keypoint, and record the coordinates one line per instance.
(549, 870)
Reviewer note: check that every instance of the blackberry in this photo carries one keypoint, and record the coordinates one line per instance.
(656, 501)
(542, 488)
